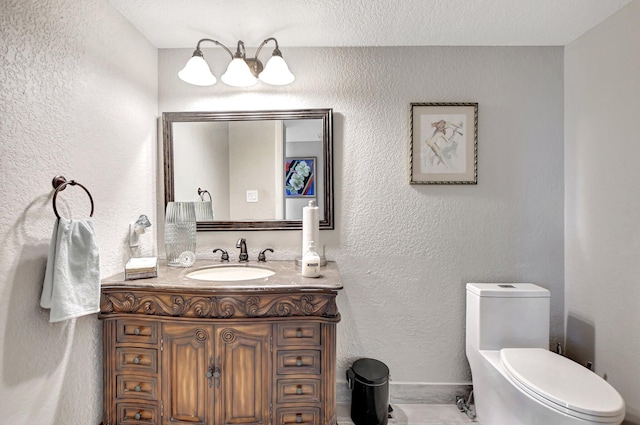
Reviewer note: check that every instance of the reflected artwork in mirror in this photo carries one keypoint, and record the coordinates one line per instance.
(242, 162)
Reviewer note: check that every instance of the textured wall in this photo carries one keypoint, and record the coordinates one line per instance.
(602, 234)
(71, 104)
(406, 252)
(78, 97)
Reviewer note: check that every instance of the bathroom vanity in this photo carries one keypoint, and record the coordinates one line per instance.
(179, 350)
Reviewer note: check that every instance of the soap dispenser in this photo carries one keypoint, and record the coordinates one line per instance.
(311, 262)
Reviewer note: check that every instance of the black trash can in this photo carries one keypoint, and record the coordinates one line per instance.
(368, 380)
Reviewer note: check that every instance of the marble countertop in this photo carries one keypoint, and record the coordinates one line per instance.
(287, 276)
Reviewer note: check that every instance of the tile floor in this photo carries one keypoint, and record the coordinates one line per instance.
(415, 414)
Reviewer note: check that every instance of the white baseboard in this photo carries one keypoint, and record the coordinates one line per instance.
(415, 392)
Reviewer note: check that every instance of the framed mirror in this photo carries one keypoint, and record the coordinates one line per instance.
(252, 170)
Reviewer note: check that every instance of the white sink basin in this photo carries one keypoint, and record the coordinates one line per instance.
(230, 273)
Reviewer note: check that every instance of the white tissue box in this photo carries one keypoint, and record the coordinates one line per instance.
(141, 268)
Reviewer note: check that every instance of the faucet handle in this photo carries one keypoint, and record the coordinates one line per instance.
(224, 258)
(262, 258)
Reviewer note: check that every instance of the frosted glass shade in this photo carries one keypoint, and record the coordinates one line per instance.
(197, 72)
(238, 74)
(276, 72)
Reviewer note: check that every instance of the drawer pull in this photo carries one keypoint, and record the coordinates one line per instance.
(298, 418)
(138, 388)
(299, 361)
(299, 333)
(137, 416)
(299, 390)
(136, 331)
(136, 360)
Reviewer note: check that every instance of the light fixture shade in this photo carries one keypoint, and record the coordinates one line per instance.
(276, 72)
(197, 72)
(238, 74)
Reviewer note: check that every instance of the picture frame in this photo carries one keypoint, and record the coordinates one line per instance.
(300, 177)
(444, 143)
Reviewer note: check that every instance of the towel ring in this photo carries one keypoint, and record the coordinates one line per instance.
(202, 192)
(60, 183)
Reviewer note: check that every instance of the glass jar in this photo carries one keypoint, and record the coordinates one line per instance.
(179, 231)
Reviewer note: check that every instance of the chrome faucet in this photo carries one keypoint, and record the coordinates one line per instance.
(242, 244)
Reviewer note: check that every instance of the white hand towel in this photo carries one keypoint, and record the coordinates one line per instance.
(72, 278)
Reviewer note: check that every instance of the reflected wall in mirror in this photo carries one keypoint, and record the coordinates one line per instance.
(250, 170)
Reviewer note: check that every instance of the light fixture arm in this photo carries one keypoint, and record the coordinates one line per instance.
(240, 50)
(276, 51)
(198, 52)
(254, 63)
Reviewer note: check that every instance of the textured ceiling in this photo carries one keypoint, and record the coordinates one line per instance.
(306, 23)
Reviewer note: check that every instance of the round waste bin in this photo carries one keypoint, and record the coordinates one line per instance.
(368, 380)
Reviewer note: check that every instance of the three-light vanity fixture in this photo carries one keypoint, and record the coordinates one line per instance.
(242, 71)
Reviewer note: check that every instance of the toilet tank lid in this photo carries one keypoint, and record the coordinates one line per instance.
(507, 290)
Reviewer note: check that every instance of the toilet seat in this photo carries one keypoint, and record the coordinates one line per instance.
(563, 384)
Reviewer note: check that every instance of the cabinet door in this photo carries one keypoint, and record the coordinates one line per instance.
(186, 378)
(245, 389)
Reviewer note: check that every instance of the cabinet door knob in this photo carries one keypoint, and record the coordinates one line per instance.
(210, 376)
(136, 360)
(298, 418)
(136, 331)
(137, 416)
(299, 390)
(214, 373)
(299, 361)
(138, 388)
(299, 333)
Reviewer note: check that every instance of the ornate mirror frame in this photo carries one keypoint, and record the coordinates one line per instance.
(168, 118)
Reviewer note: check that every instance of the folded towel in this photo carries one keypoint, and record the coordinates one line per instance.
(72, 278)
(204, 211)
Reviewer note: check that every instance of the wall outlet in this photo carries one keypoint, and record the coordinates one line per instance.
(252, 196)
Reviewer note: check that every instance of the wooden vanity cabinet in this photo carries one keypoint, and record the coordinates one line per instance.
(211, 358)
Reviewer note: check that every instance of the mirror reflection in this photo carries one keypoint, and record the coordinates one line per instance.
(250, 170)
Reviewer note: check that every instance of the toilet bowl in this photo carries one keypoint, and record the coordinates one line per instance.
(516, 379)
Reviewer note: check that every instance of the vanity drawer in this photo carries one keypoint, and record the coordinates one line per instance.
(137, 414)
(136, 331)
(134, 386)
(298, 362)
(298, 334)
(137, 359)
(298, 416)
(298, 390)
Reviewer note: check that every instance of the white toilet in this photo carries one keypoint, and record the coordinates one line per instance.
(516, 379)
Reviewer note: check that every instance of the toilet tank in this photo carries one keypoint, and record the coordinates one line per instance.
(507, 315)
